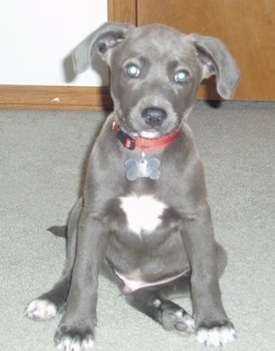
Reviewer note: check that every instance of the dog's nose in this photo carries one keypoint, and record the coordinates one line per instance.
(154, 116)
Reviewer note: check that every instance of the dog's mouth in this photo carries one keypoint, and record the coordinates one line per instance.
(168, 126)
(149, 118)
(151, 133)
(144, 131)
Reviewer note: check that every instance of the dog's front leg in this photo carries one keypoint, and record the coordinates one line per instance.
(76, 329)
(212, 324)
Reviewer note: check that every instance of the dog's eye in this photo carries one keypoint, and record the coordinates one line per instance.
(181, 76)
(133, 71)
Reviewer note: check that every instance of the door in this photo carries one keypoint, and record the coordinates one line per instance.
(247, 27)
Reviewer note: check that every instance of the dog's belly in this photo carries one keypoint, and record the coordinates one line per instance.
(133, 281)
(143, 213)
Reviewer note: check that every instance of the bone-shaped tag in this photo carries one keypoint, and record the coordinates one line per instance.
(142, 169)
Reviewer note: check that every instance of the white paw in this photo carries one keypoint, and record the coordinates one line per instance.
(41, 310)
(185, 322)
(74, 344)
(216, 336)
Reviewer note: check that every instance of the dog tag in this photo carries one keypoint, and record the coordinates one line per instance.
(142, 168)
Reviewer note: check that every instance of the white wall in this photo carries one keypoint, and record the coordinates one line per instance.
(36, 35)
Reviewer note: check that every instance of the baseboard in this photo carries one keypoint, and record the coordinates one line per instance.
(32, 97)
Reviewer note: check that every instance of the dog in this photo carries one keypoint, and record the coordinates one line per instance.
(143, 217)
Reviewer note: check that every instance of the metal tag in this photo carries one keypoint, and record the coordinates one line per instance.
(142, 168)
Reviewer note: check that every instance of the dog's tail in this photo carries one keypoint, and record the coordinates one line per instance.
(60, 231)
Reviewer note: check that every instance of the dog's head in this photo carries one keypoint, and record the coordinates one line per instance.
(156, 72)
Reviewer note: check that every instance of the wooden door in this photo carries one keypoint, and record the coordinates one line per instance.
(246, 26)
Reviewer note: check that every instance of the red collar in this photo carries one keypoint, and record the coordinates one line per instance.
(145, 144)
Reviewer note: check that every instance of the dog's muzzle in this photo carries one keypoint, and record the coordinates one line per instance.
(154, 116)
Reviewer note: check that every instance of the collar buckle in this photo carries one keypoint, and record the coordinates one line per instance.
(128, 142)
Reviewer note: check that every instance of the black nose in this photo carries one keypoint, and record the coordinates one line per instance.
(154, 116)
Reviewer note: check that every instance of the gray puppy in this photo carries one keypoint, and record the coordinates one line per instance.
(144, 216)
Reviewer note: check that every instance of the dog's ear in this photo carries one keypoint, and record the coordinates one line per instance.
(104, 38)
(218, 61)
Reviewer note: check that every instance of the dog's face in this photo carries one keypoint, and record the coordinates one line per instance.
(155, 75)
(156, 72)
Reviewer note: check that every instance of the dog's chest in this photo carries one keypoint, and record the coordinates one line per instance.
(143, 213)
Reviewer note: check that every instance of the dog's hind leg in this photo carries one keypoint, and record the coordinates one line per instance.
(170, 315)
(153, 301)
(49, 304)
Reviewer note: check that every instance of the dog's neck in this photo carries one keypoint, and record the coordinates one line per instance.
(146, 145)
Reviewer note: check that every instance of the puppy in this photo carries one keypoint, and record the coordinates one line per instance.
(144, 216)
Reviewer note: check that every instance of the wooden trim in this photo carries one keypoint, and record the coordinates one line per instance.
(15, 97)
(122, 11)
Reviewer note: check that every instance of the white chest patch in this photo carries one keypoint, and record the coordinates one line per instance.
(143, 212)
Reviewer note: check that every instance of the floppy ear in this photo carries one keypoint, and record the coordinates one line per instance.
(217, 61)
(104, 38)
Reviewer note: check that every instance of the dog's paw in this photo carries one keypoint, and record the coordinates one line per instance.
(176, 318)
(180, 321)
(41, 310)
(216, 335)
(73, 339)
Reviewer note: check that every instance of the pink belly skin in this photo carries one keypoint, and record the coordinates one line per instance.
(133, 281)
